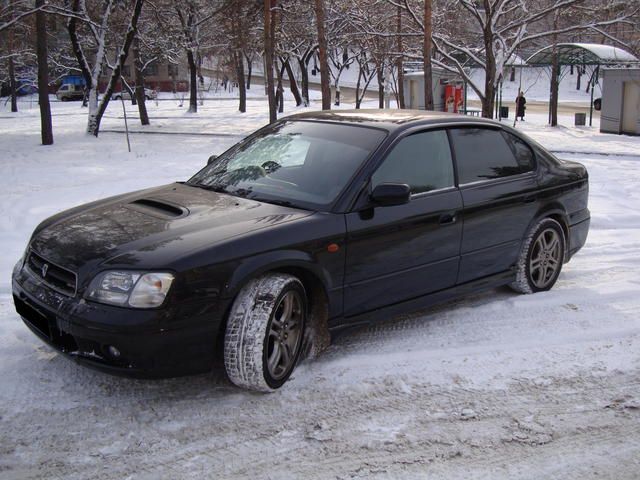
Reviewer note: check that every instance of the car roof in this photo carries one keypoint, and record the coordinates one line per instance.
(388, 119)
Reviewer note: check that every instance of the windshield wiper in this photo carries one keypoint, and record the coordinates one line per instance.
(283, 203)
(214, 187)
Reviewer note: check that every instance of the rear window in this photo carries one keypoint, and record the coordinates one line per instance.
(483, 154)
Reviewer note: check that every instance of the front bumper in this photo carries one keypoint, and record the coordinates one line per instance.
(167, 342)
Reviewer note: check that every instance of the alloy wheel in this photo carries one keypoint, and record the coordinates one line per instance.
(546, 258)
(284, 335)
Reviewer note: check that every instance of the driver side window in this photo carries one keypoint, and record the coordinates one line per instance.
(422, 161)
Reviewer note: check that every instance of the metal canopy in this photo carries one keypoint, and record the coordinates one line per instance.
(582, 54)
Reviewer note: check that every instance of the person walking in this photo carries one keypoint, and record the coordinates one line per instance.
(521, 101)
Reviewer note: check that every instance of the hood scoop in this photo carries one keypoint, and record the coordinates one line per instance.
(158, 208)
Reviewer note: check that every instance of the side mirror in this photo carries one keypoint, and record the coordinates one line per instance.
(212, 159)
(389, 194)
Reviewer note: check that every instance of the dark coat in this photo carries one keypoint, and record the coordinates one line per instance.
(520, 106)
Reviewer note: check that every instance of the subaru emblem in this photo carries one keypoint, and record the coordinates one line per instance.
(45, 267)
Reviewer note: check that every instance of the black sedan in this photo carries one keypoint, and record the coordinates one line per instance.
(316, 223)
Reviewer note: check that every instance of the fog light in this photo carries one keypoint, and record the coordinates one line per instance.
(113, 351)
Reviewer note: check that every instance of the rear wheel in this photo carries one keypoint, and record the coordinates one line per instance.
(264, 332)
(541, 258)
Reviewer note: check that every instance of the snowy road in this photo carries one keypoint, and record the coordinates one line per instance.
(496, 385)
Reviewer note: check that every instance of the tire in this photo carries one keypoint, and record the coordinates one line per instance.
(264, 333)
(541, 258)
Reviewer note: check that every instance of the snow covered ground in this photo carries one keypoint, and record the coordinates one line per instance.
(496, 385)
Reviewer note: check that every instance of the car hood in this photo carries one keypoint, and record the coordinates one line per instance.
(140, 228)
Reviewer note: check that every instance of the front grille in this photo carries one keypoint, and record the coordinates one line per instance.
(58, 278)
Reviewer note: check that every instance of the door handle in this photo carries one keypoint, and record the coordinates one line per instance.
(529, 199)
(448, 218)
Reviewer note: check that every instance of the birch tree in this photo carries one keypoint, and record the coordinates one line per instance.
(99, 30)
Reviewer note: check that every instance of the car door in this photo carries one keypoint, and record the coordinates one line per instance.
(496, 175)
(396, 253)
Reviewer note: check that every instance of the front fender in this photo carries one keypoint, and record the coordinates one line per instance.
(283, 259)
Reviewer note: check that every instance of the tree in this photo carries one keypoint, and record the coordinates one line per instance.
(140, 96)
(92, 73)
(46, 128)
(399, 59)
(269, 34)
(428, 71)
(485, 34)
(322, 54)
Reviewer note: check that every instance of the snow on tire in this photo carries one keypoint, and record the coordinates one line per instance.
(264, 332)
(541, 258)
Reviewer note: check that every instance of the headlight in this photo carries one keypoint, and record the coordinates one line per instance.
(131, 289)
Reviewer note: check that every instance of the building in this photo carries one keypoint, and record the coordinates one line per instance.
(162, 76)
(620, 101)
(448, 90)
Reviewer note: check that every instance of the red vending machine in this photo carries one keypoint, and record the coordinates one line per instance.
(459, 99)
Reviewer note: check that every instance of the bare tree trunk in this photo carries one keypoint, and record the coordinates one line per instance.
(249, 70)
(427, 47)
(238, 55)
(293, 84)
(139, 74)
(322, 54)
(304, 81)
(94, 123)
(12, 72)
(358, 86)
(555, 75)
(380, 74)
(242, 86)
(46, 129)
(579, 76)
(280, 89)
(12, 86)
(78, 53)
(193, 82)
(490, 81)
(268, 53)
(399, 63)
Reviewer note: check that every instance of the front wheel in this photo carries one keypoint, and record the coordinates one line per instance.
(264, 332)
(541, 258)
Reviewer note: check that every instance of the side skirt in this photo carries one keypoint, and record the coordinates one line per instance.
(340, 324)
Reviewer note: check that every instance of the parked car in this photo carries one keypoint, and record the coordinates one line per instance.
(313, 224)
(69, 91)
(148, 94)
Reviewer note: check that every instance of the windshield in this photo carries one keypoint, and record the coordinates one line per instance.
(297, 163)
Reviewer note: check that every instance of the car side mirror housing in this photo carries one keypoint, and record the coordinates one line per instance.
(212, 159)
(389, 194)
